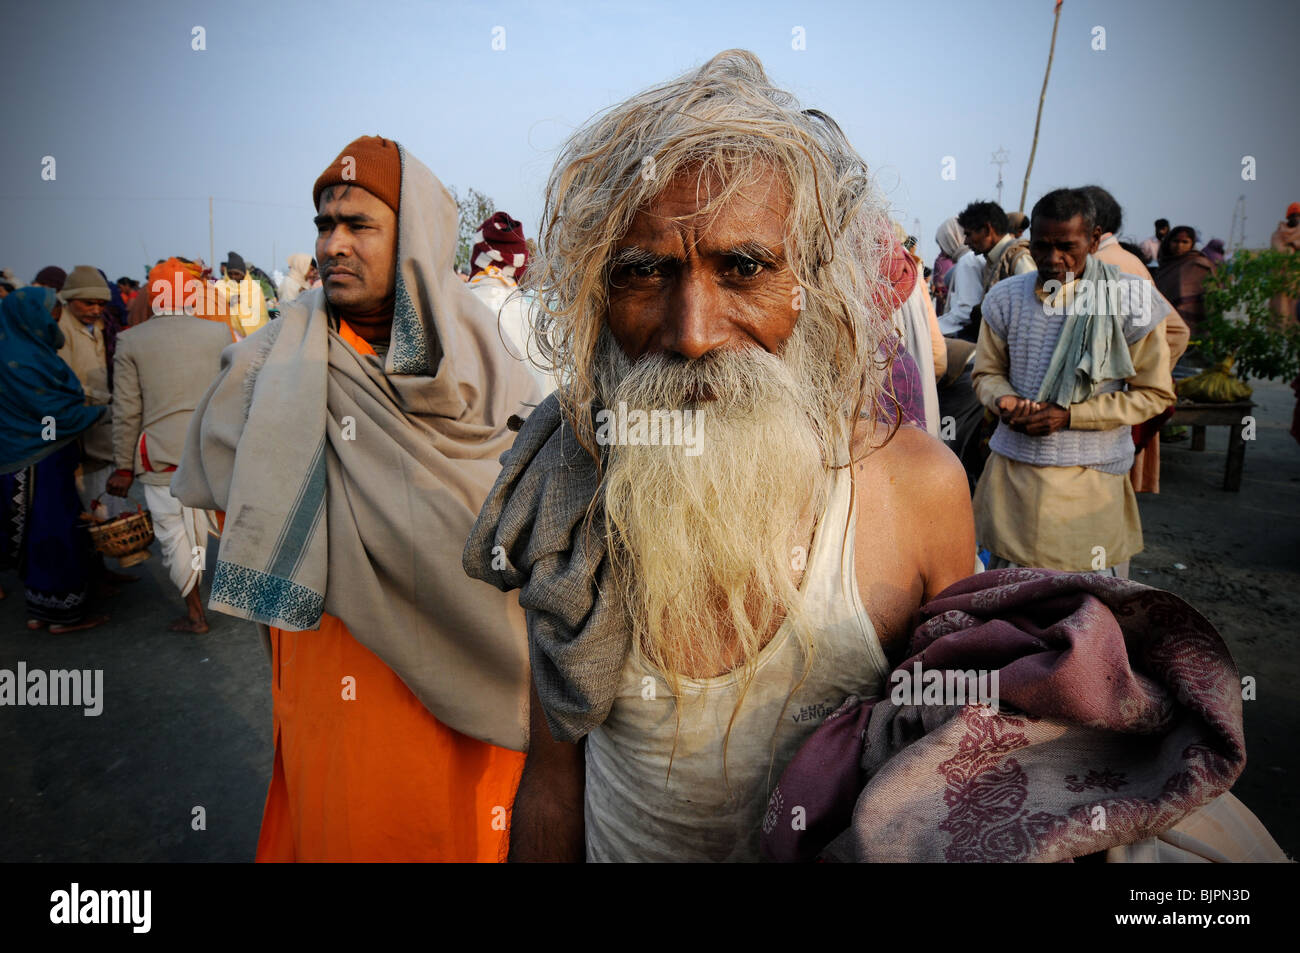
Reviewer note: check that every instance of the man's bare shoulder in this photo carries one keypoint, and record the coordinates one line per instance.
(913, 461)
(913, 504)
(920, 486)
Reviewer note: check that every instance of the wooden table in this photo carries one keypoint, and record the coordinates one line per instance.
(1200, 416)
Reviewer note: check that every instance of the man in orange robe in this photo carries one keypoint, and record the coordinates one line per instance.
(351, 443)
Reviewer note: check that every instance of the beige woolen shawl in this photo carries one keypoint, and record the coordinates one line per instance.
(350, 486)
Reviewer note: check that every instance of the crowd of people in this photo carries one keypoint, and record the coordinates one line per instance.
(498, 629)
(966, 269)
(142, 387)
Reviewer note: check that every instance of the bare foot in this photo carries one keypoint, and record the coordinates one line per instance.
(36, 624)
(186, 624)
(84, 624)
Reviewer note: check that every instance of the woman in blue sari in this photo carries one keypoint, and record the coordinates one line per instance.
(42, 412)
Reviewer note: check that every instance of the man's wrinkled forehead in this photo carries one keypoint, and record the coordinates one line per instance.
(687, 211)
(347, 194)
(1060, 229)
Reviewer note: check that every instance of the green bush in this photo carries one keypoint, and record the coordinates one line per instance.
(1240, 327)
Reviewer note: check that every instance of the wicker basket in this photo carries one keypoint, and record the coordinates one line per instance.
(127, 537)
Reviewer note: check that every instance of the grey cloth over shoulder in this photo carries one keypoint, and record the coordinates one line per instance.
(533, 535)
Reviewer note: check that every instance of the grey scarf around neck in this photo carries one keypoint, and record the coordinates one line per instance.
(1092, 347)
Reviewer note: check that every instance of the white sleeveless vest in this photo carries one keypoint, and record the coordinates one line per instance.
(637, 811)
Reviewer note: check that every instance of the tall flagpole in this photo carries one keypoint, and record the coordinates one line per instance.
(212, 255)
(1041, 98)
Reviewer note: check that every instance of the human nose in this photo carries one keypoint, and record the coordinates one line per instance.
(335, 243)
(697, 322)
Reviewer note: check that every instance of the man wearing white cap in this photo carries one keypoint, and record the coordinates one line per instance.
(84, 295)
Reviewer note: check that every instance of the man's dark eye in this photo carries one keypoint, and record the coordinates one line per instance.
(747, 267)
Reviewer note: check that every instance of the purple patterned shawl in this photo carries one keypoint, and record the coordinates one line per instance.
(1120, 713)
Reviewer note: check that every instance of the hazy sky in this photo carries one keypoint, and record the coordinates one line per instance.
(143, 128)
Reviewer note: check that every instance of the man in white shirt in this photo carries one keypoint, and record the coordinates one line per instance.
(965, 290)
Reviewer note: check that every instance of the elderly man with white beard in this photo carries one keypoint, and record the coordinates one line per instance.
(694, 612)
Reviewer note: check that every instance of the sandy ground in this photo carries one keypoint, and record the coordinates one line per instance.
(186, 721)
(1241, 553)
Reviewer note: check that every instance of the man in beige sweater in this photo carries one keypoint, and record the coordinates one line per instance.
(161, 371)
(1055, 491)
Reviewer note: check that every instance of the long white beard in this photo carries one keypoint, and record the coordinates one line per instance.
(704, 538)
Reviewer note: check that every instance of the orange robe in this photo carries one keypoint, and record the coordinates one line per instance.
(374, 777)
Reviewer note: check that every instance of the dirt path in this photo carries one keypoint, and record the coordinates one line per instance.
(1241, 553)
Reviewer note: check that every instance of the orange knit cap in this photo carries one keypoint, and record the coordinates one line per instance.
(370, 162)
